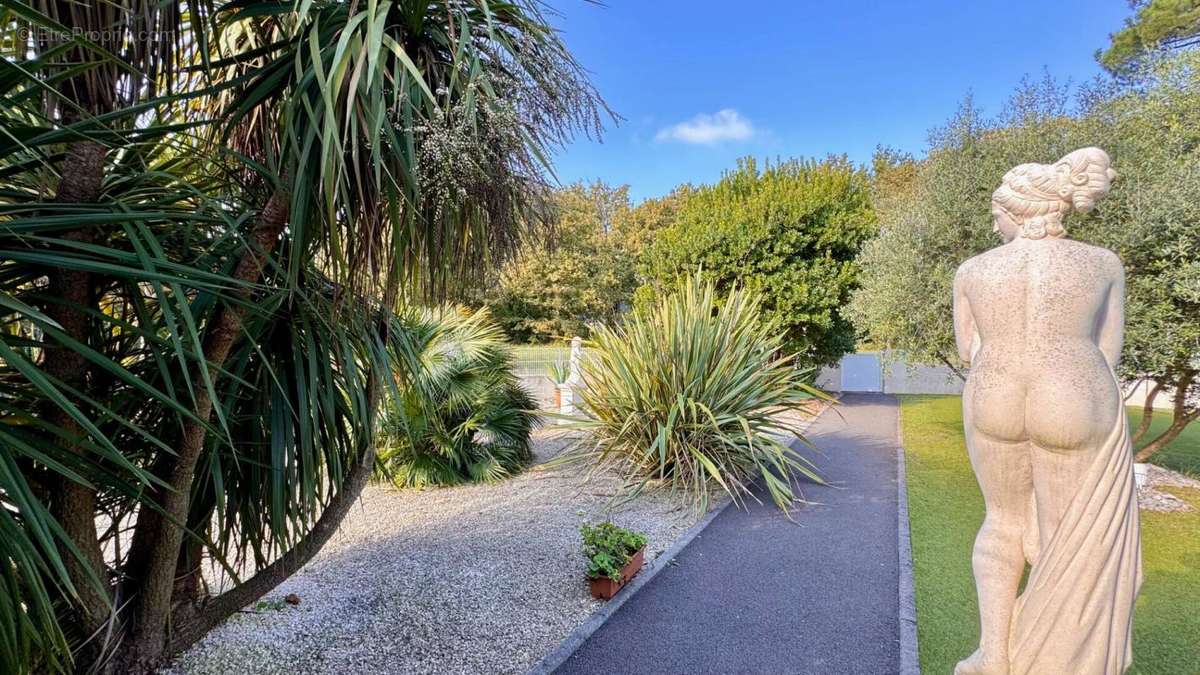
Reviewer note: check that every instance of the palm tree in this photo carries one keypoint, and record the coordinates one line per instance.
(460, 413)
(208, 213)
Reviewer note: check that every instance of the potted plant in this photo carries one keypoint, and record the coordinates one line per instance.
(558, 371)
(614, 556)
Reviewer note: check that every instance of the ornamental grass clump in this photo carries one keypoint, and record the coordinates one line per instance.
(689, 394)
(458, 413)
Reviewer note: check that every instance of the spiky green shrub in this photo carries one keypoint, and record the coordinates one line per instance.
(687, 394)
(460, 414)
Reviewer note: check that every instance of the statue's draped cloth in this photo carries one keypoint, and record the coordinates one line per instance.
(1076, 613)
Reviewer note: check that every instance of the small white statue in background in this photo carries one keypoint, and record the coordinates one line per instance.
(1041, 319)
(569, 396)
(575, 373)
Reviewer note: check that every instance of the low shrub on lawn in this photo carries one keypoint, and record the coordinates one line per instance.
(458, 414)
(608, 547)
(687, 392)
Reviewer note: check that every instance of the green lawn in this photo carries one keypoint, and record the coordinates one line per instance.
(1183, 454)
(945, 510)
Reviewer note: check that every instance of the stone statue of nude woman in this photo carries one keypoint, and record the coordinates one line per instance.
(1040, 320)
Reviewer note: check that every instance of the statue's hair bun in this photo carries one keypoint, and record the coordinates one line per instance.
(1086, 175)
(1038, 196)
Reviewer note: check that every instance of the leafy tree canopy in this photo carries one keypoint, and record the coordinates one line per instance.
(584, 270)
(790, 230)
(1155, 25)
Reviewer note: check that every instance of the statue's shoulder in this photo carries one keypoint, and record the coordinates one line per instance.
(972, 265)
(1101, 257)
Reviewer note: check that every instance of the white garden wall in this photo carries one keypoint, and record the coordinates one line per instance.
(888, 373)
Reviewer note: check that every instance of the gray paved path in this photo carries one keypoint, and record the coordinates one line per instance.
(755, 593)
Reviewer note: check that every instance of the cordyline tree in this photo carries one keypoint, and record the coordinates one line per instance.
(935, 219)
(208, 211)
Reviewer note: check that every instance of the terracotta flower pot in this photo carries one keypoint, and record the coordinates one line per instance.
(605, 588)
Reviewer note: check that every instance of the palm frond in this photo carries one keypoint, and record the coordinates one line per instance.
(407, 141)
(460, 414)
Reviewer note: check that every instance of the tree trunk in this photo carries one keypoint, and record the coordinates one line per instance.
(72, 504)
(189, 573)
(1181, 417)
(957, 371)
(190, 626)
(1164, 439)
(157, 539)
(1147, 412)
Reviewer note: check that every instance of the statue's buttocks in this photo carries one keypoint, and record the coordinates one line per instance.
(1039, 373)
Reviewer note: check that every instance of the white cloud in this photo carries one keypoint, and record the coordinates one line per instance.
(704, 129)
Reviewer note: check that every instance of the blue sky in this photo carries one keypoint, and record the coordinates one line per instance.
(701, 83)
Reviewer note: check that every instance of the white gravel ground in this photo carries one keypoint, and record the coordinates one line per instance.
(472, 579)
(1150, 498)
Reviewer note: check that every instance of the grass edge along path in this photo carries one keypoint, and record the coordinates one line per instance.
(945, 511)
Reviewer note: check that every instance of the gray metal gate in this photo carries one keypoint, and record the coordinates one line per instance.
(862, 372)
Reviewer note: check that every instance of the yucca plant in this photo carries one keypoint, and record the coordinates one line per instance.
(461, 415)
(559, 371)
(689, 393)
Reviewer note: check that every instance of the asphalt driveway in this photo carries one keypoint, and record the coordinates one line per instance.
(757, 593)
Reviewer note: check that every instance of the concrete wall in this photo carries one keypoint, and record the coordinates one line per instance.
(921, 379)
(892, 375)
(896, 376)
(541, 387)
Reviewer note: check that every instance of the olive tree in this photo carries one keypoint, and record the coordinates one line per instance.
(938, 217)
(1150, 218)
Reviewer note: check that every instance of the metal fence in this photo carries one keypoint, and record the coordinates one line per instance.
(535, 360)
(534, 364)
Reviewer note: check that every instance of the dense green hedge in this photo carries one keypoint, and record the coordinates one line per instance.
(789, 230)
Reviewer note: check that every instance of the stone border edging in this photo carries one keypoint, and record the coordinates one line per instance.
(910, 663)
(583, 631)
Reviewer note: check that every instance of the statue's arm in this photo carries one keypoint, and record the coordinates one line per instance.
(966, 334)
(1112, 329)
